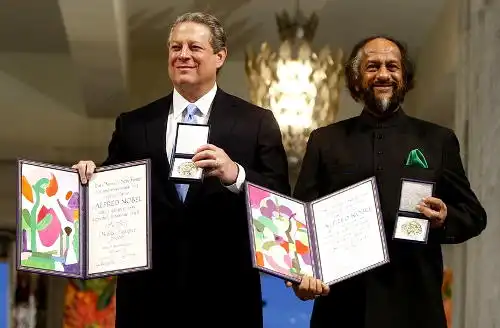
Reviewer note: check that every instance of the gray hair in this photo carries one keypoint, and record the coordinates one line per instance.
(356, 64)
(218, 36)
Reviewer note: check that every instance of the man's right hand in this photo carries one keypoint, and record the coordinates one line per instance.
(85, 170)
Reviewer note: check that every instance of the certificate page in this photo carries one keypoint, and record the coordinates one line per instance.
(190, 138)
(349, 237)
(118, 220)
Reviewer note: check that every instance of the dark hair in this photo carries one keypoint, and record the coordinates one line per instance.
(352, 66)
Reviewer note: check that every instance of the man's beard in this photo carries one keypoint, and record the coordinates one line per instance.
(383, 105)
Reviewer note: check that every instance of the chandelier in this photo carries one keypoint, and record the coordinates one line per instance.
(301, 87)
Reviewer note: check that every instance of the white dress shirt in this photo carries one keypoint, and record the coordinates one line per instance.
(204, 105)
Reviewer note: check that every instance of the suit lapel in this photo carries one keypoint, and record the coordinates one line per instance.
(156, 135)
(221, 121)
(222, 117)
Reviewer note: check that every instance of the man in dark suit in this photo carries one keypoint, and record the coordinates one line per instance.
(202, 273)
(407, 291)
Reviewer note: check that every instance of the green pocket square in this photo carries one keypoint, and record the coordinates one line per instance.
(416, 158)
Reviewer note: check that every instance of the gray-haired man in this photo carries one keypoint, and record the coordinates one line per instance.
(202, 273)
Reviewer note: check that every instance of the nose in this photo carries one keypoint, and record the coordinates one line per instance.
(383, 74)
(185, 53)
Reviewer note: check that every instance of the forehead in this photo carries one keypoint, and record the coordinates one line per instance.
(381, 49)
(190, 32)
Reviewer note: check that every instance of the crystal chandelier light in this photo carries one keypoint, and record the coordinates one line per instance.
(301, 87)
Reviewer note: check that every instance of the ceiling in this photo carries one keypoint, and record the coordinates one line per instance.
(32, 26)
(37, 26)
(102, 46)
(342, 22)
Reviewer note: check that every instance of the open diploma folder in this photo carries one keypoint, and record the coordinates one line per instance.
(72, 230)
(333, 238)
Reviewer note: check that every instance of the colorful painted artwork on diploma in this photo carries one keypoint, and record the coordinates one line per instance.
(280, 233)
(50, 237)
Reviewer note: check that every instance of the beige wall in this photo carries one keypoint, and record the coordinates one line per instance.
(433, 97)
(42, 110)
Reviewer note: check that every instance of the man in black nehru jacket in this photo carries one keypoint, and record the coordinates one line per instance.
(386, 143)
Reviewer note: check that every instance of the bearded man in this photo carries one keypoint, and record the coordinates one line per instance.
(407, 291)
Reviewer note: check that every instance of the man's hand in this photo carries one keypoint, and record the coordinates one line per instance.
(435, 209)
(309, 288)
(216, 163)
(85, 170)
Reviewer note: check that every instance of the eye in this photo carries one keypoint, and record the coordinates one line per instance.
(392, 67)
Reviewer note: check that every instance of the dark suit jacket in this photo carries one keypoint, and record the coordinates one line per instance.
(201, 261)
(407, 291)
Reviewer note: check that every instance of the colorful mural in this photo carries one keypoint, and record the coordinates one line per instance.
(90, 303)
(447, 294)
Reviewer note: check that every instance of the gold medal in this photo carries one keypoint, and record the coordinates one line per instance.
(412, 228)
(187, 169)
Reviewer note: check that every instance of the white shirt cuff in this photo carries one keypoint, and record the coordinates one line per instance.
(240, 179)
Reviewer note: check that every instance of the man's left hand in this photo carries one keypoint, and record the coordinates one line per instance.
(217, 163)
(309, 288)
(435, 209)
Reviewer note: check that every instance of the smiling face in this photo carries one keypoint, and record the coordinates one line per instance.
(382, 82)
(193, 63)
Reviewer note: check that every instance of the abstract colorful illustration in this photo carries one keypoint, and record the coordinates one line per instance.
(280, 233)
(49, 219)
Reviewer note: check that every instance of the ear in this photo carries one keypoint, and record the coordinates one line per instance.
(221, 57)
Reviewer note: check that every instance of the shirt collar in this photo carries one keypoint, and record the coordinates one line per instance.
(179, 103)
(396, 118)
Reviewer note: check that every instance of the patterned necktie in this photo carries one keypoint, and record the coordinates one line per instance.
(189, 117)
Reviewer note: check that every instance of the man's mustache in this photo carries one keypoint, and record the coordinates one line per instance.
(384, 84)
